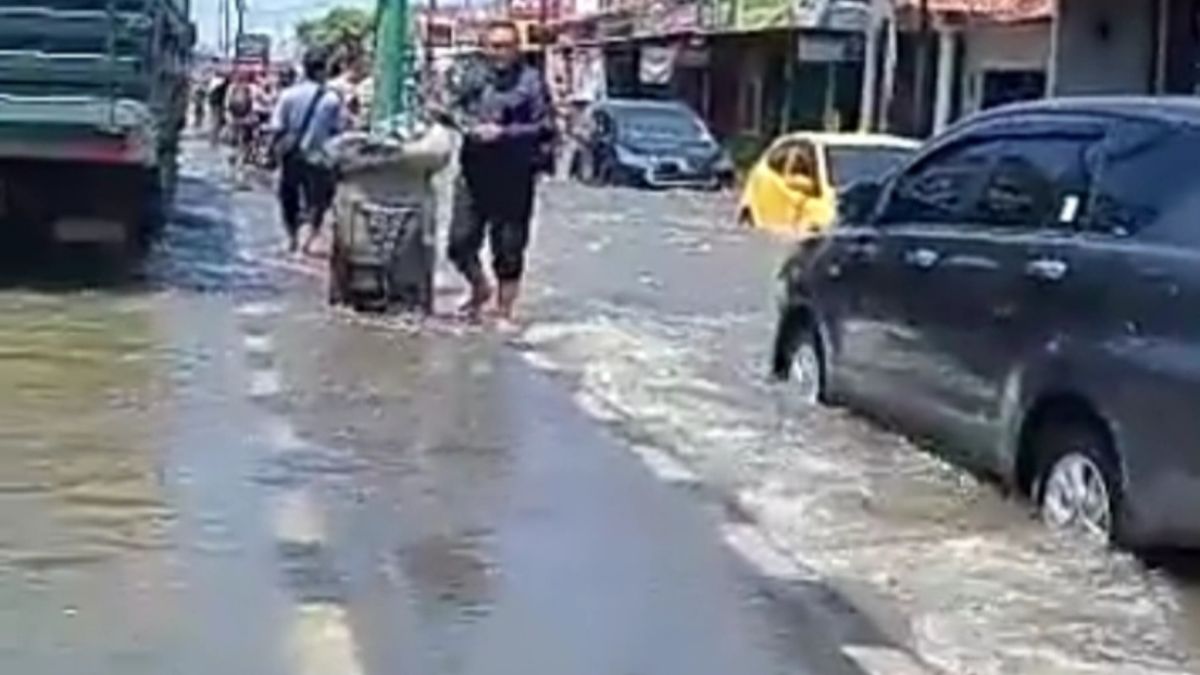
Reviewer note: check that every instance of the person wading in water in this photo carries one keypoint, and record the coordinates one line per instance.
(509, 121)
(307, 115)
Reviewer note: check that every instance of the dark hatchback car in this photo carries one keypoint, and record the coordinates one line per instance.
(1026, 293)
(648, 143)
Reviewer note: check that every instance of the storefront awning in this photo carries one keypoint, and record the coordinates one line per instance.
(1003, 11)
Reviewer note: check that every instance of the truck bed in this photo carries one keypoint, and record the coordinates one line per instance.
(93, 94)
(91, 79)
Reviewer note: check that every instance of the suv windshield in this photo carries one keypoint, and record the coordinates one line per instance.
(851, 164)
(658, 124)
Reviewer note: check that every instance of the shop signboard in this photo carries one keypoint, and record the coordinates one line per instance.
(820, 47)
(808, 13)
(253, 48)
(656, 64)
(718, 15)
(848, 15)
(754, 15)
(669, 17)
(751, 15)
(616, 26)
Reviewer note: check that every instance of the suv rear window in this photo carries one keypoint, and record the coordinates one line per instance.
(1150, 180)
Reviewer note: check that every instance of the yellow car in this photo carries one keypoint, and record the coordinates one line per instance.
(793, 187)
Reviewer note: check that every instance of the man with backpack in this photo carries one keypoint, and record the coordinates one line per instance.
(218, 89)
(242, 121)
(307, 116)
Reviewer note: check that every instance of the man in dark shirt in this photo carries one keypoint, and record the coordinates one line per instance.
(508, 120)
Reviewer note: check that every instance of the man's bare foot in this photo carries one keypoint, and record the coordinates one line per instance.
(506, 300)
(307, 249)
(472, 307)
(507, 325)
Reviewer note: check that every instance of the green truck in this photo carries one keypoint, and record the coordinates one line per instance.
(93, 98)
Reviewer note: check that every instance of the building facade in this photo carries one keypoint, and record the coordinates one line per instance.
(1126, 47)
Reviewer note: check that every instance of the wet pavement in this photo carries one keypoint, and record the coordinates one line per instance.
(205, 470)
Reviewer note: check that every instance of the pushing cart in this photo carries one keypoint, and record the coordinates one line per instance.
(384, 234)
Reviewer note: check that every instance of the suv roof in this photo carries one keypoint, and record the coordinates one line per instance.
(643, 104)
(1168, 109)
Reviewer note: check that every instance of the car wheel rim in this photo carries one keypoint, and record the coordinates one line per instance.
(806, 373)
(1075, 497)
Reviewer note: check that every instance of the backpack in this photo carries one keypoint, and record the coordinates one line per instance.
(216, 95)
(240, 101)
(546, 153)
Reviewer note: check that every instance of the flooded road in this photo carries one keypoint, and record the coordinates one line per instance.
(672, 353)
(205, 471)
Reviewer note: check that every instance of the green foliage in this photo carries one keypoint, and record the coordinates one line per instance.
(745, 149)
(344, 30)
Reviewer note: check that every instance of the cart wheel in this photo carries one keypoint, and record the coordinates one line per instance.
(337, 277)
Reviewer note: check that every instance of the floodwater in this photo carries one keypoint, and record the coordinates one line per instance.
(672, 352)
(205, 470)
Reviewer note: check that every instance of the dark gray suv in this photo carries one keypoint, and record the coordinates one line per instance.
(1026, 291)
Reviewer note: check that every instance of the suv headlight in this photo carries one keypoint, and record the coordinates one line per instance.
(628, 158)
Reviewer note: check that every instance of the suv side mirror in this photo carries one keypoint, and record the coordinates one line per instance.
(857, 203)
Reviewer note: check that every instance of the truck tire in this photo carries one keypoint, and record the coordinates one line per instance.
(154, 210)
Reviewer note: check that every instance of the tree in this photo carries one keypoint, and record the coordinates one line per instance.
(346, 31)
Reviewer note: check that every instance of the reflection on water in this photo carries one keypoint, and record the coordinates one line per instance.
(76, 426)
(81, 504)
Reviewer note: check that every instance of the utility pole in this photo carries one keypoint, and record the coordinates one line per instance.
(921, 85)
(241, 21)
(431, 9)
(868, 99)
(226, 19)
(543, 44)
(879, 66)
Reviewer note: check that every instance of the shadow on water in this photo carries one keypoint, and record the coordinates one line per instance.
(1181, 565)
(61, 269)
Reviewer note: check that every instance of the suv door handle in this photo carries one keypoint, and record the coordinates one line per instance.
(1047, 269)
(921, 258)
(864, 247)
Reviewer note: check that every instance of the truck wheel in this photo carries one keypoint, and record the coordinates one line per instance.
(152, 218)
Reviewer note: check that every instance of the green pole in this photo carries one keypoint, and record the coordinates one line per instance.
(393, 45)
